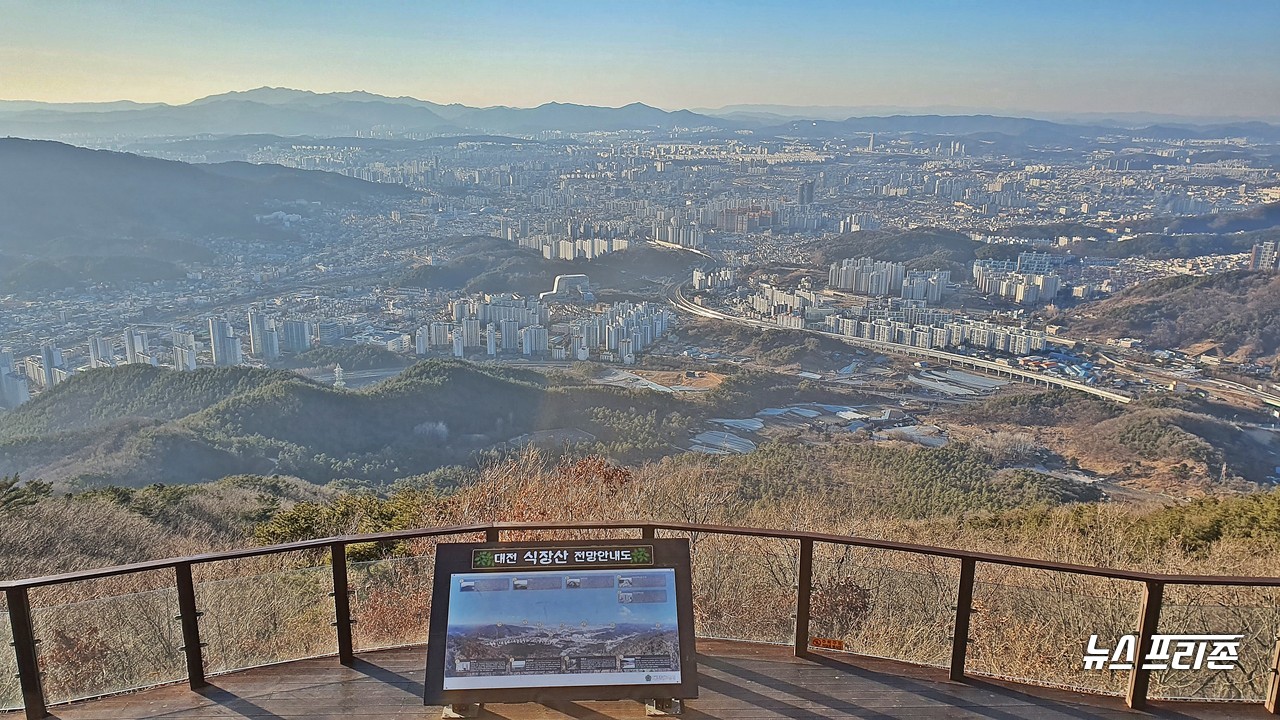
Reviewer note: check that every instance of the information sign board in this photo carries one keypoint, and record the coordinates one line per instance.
(561, 620)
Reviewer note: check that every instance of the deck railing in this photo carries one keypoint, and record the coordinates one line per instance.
(927, 602)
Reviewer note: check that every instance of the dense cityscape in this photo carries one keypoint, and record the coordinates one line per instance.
(577, 197)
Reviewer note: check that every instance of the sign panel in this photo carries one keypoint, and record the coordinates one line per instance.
(570, 620)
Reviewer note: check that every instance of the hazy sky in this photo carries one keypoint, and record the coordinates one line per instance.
(1170, 56)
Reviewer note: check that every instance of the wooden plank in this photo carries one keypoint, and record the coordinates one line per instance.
(740, 681)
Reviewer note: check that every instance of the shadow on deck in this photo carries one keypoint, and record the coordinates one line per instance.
(738, 681)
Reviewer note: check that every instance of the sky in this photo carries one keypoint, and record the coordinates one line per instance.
(1197, 58)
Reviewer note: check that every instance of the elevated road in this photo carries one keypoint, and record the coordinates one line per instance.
(675, 294)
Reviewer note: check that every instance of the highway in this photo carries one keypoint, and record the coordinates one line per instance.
(1226, 390)
(675, 294)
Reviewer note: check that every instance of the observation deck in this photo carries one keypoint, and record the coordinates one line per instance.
(739, 681)
(790, 625)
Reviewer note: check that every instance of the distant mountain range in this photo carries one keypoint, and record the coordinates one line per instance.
(287, 112)
(282, 111)
(783, 113)
(997, 129)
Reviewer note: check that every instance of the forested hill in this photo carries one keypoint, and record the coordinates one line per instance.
(70, 215)
(1239, 312)
(922, 248)
(106, 395)
(51, 191)
(1261, 217)
(137, 425)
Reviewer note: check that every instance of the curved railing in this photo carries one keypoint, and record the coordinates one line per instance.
(916, 603)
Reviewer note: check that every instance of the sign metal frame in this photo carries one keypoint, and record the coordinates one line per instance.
(560, 555)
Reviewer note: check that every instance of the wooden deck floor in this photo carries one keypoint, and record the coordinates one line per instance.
(738, 682)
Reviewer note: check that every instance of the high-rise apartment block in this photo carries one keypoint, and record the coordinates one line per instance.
(927, 285)
(510, 330)
(136, 346)
(101, 352)
(224, 343)
(257, 333)
(296, 336)
(1266, 256)
(534, 340)
(184, 358)
(867, 277)
(805, 194)
(1002, 278)
(13, 387)
(440, 332)
(471, 332)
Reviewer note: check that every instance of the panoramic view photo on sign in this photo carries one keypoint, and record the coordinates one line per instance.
(588, 620)
(581, 360)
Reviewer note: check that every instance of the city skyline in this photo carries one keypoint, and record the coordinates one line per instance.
(1088, 57)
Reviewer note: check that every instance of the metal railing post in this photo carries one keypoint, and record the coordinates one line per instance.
(804, 593)
(1272, 703)
(964, 610)
(24, 646)
(1148, 619)
(190, 617)
(342, 621)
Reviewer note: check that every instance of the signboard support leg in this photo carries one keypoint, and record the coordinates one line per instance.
(663, 706)
(462, 710)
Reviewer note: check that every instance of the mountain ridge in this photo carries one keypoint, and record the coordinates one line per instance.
(50, 189)
(1234, 314)
(134, 425)
(290, 112)
(293, 112)
(68, 208)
